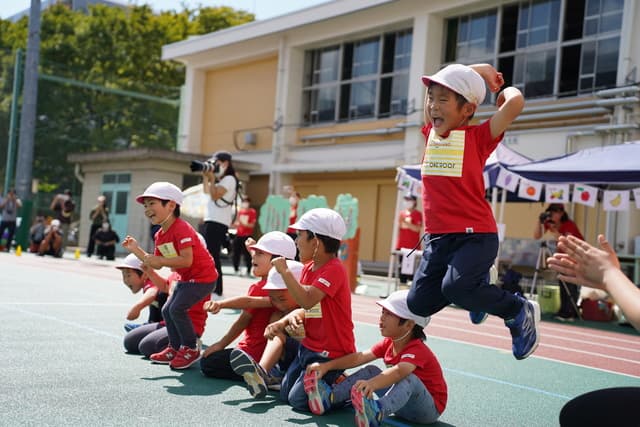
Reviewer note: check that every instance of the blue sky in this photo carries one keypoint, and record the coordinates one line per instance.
(263, 9)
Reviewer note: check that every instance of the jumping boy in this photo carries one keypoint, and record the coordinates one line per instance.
(325, 297)
(462, 238)
(178, 247)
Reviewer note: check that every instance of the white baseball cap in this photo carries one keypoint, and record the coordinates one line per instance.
(276, 243)
(163, 191)
(275, 281)
(396, 303)
(324, 221)
(130, 261)
(55, 223)
(462, 80)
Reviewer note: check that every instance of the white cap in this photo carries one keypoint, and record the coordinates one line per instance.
(275, 281)
(462, 80)
(396, 303)
(326, 222)
(55, 223)
(162, 191)
(276, 243)
(130, 261)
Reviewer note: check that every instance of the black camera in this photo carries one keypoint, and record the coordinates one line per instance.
(545, 217)
(206, 166)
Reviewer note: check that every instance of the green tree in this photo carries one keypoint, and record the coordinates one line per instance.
(109, 47)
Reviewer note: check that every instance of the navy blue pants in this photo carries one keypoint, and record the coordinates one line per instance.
(176, 316)
(453, 269)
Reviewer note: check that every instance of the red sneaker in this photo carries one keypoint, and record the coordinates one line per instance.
(186, 357)
(164, 357)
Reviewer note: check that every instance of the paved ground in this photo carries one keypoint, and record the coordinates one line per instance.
(63, 362)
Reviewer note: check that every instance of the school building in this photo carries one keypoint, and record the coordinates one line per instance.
(329, 98)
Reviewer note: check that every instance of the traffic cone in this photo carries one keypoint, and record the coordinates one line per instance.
(18, 250)
(76, 255)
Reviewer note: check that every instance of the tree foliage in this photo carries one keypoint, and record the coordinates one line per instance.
(112, 48)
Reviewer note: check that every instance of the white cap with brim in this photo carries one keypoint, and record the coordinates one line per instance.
(130, 261)
(461, 79)
(162, 191)
(324, 221)
(276, 243)
(396, 303)
(275, 281)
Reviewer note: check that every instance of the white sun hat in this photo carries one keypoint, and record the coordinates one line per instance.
(130, 261)
(276, 243)
(163, 191)
(462, 80)
(275, 281)
(396, 303)
(324, 221)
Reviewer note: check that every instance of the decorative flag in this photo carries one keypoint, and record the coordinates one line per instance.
(507, 180)
(584, 194)
(404, 181)
(530, 190)
(636, 196)
(557, 193)
(615, 200)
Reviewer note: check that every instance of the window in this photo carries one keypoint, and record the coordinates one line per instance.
(362, 79)
(533, 42)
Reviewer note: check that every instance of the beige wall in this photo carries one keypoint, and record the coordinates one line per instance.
(239, 98)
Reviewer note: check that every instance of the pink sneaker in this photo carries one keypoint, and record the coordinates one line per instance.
(186, 357)
(164, 357)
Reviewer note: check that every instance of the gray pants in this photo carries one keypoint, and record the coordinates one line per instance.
(408, 398)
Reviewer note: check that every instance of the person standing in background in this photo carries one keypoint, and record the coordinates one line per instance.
(221, 184)
(9, 206)
(554, 220)
(244, 224)
(409, 229)
(99, 215)
(63, 207)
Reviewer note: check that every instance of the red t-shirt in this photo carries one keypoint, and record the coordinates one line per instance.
(453, 185)
(428, 368)
(247, 215)
(196, 312)
(254, 341)
(293, 215)
(328, 325)
(408, 238)
(566, 228)
(181, 235)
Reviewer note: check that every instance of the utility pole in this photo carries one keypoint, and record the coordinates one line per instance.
(24, 168)
(11, 149)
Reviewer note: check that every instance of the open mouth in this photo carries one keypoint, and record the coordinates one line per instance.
(437, 122)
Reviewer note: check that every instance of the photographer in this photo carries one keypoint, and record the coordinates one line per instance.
(220, 183)
(554, 220)
(9, 206)
(99, 215)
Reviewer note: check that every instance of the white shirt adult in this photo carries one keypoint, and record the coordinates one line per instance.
(221, 209)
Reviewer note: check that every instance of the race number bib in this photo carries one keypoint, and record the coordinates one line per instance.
(444, 156)
(168, 250)
(314, 312)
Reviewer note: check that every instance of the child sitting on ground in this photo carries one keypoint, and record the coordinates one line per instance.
(178, 247)
(412, 386)
(279, 351)
(216, 361)
(324, 294)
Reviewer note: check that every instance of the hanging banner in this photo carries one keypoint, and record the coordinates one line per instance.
(636, 196)
(585, 195)
(615, 200)
(557, 193)
(507, 180)
(530, 190)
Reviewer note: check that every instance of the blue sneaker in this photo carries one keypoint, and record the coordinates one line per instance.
(477, 317)
(318, 392)
(524, 329)
(368, 412)
(128, 327)
(252, 373)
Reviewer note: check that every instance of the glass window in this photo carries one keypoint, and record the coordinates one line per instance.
(121, 202)
(109, 178)
(124, 178)
(361, 79)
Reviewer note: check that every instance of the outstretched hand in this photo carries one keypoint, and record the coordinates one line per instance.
(581, 263)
